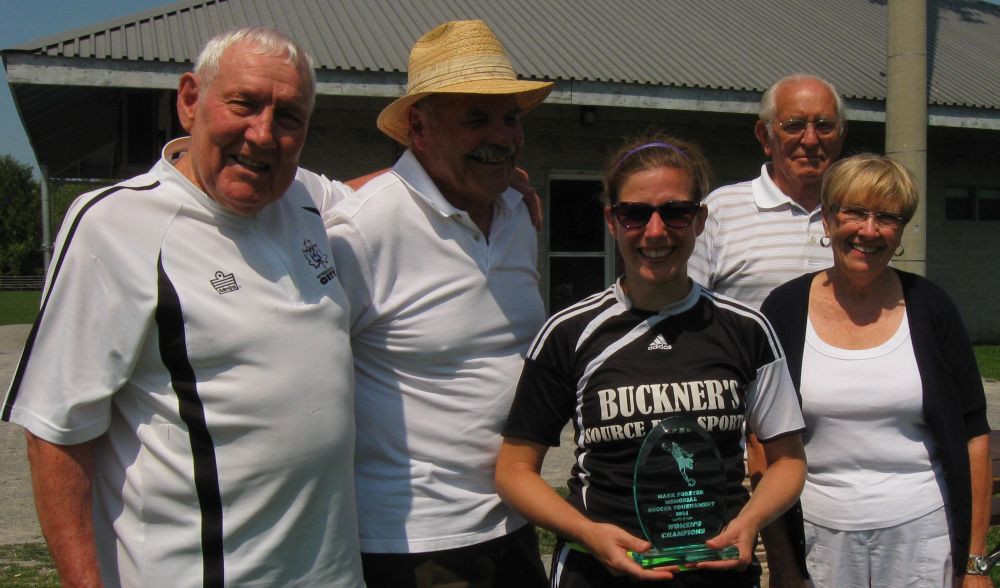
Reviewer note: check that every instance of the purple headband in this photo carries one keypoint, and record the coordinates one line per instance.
(643, 147)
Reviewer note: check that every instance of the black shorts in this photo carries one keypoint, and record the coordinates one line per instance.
(576, 569)
(511, 561)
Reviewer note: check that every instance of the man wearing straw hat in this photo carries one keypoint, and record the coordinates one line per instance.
(438, 261)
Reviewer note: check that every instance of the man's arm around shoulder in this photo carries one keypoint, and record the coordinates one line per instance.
(62, 479)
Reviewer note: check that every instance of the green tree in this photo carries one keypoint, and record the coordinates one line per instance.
(20, 220)
(61, 196)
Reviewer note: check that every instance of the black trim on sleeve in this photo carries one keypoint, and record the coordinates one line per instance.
(173, 351)
(32, 335)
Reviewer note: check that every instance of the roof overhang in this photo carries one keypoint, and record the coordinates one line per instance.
(86, 83)
(63, 71)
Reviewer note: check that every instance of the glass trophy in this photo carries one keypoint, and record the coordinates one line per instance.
(679, 490)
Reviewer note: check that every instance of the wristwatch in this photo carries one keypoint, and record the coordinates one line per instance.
(977, 565)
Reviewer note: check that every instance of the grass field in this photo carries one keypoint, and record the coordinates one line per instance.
(18, 307)
(988, 358)
(992, 540)
(27, 564)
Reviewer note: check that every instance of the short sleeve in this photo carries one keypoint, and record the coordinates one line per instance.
(772, 404)
(540, 408)
(326, 193)
(701, 265)
(351, 257)
(96, 311)
(546, 393)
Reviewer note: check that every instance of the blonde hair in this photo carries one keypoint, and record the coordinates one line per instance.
(653, 150)
(868, 177)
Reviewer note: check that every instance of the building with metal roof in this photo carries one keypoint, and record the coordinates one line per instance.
(98, 101)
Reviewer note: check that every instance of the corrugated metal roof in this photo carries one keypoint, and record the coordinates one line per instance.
(706, 44)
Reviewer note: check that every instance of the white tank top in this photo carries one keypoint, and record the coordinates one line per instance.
(872, 460)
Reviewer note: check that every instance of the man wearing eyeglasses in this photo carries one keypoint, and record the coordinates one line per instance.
(764, 232)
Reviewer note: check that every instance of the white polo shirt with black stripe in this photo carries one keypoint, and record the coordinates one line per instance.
(756, 238)
(615, 371)
(207, 354)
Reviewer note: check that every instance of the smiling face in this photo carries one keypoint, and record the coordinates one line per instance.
(862, 250)
(247, 125)
(656, 256)
(800, 160)
(469, 145)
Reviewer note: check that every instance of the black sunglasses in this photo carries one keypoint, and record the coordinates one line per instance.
(676, 214)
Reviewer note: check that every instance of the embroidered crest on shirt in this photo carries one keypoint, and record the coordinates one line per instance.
(318, 260)
(659, 343)
(224, 283)
(313, 255)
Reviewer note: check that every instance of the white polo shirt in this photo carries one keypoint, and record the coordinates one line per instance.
(756, 238)
(208, 355)
(440, 320)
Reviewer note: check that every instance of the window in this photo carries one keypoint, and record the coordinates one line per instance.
(579, 262)
(989, 203)
(142, 137)
(972, 203)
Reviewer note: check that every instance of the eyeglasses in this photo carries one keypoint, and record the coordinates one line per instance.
(824, 127)
(676, 214)
(883, 219)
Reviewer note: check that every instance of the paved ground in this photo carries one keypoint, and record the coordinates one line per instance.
(17, 514)
(17, 511)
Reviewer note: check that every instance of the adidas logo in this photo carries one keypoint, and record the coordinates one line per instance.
(659, 343)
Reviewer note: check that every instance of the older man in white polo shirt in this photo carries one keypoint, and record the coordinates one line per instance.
(764, 232)
(438, 261)
(767, 231)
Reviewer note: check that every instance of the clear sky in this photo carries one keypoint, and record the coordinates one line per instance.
(26, 20)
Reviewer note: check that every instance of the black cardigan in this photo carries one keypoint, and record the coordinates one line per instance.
(953, 397)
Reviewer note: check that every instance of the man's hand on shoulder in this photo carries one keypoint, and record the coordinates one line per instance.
(356, 183)
(522, 183)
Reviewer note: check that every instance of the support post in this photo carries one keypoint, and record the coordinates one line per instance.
(906, 115)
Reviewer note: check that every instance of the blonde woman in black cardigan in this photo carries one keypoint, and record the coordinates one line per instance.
(898, 483)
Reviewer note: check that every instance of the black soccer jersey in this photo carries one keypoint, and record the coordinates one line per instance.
(616, 371)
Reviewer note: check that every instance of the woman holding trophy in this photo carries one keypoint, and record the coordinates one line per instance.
(660, 378)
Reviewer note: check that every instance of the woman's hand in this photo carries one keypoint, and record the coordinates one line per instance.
(738, 533)
(521, 486)
(777, 490)
(610, 545)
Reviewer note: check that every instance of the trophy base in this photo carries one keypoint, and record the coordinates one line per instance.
(682, 554)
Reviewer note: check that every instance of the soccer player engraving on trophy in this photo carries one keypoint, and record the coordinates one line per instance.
(679, 490)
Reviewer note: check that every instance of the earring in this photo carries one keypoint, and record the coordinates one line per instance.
(899, 252)
(824, 241)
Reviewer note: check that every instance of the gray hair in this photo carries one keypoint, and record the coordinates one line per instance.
(260, 40)
(769, 109)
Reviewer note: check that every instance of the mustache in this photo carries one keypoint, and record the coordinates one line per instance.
(493, 152)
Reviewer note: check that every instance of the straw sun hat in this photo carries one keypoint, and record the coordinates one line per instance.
(459, 57)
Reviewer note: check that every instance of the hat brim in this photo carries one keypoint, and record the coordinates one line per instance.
(394, 118)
